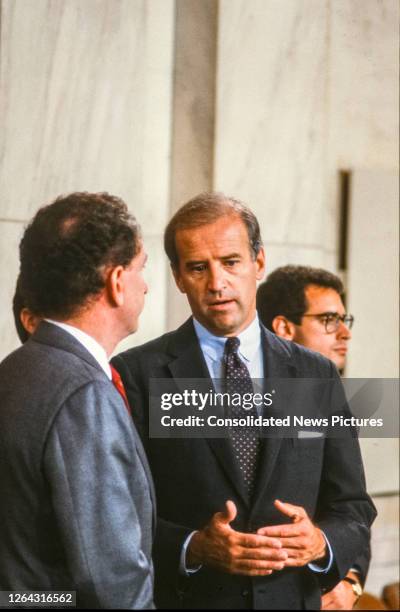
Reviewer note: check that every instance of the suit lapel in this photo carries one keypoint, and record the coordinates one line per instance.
(276, 366)
(190, 363)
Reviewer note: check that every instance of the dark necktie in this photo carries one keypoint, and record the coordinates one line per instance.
(119, 385)
(245, 440)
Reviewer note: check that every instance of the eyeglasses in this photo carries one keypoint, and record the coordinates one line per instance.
(331, 320)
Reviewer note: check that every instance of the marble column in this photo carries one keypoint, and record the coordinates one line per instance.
(85, 104)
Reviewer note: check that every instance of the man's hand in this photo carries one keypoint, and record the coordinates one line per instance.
(302, 541)
(342, 597)
(220, 546)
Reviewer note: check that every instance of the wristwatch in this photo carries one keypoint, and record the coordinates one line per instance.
(355, 585)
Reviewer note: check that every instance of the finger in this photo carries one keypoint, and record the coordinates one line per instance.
(281, 531)
(294, 553)
(253, 572)
(294, 543)
(228, 514)
(248, 564)
(294, 512)
(296, 562)
(252, 540)
(329, 605)
(262, 553)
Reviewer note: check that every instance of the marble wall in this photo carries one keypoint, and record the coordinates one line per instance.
(158, 99)
(384, 568)
(85, 104)
(305, 88)
(193, 118)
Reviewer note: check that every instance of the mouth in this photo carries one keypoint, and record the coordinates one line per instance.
(342, 350)
(220, 305)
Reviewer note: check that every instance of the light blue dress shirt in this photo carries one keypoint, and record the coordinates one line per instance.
(251, 353)
(250, 350)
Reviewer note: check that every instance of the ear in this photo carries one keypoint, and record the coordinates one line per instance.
(115, 285)
(283, 327)
(178, 279)
(260, 263)
(29, 320)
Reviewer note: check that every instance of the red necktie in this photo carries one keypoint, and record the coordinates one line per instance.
(119, 385)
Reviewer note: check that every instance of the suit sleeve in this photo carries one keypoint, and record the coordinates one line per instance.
(95, 479)
(361, 564)
(346, 511)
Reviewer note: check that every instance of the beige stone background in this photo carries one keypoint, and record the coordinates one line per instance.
(267, 100)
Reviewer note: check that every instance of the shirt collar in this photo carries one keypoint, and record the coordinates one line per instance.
(213, 346)
(90, 344)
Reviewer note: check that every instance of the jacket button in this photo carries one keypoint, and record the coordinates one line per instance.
(245, 593)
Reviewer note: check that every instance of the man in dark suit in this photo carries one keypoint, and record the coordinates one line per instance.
(305, 305)
(77, 505)
(242, 523)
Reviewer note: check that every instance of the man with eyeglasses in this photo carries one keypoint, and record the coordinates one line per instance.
(305, 305)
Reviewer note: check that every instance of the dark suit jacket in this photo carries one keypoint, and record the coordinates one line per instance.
(361, 564)
(75, 488)
(194, 478)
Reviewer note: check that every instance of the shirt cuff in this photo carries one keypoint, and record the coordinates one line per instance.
(182, 563)
(315, 567)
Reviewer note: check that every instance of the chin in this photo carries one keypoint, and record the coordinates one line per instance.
(339, 363)
(224, 327)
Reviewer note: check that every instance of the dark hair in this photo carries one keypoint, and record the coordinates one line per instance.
(207, 208)
(67, 247)
(17, 306)
(283, 292)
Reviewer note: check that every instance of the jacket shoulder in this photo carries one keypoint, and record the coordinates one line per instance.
(307, 362)
(157, 350)
(157, 345)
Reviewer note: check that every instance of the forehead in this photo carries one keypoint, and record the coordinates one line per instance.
(323, 299)
(224, 236)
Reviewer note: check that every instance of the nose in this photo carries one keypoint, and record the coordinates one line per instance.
(343, 331)
(216, 280)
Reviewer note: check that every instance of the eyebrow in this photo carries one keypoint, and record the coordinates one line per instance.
(232, 256)
(329, 312)
(193, 262)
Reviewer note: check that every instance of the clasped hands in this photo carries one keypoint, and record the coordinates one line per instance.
(257, 554)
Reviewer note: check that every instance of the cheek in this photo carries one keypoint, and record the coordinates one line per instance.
(310, 339)
(324, 346)
(245, 285)
(140, 289)
(194, 290)
(327, 341)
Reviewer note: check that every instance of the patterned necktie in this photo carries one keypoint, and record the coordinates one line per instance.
(119, 385)
(245, 440)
